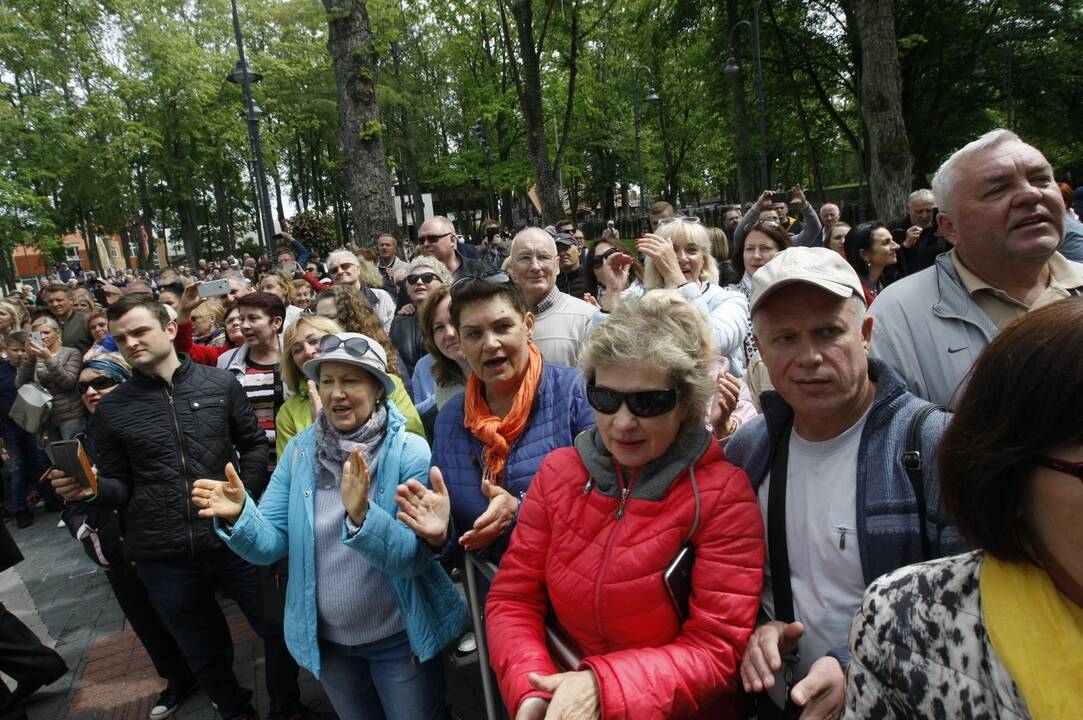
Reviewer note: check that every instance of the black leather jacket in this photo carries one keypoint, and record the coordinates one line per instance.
(154, 439)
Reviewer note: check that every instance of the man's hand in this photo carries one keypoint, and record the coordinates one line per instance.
(408, 309)
(797, 196)
(765, 200)
(912, 235)
(67, 487)
(533, 708)
(189, 301)
(215, 498)
(426, 512)
(822, 692)
(489, 525)
(763, 656)
(355, 487)
(575, 695)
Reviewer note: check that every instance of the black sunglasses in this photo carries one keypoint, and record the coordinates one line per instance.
(1068, 468)
(357, 347)
(498, 277)
(103, 382)
(431, 239)
(599, 260)
(644, 404)
(423, 277)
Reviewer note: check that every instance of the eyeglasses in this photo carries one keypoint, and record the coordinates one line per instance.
(493, 278)
(679, 218)
(1068, 468)
(102, 382)
(643, 404)
(526, 259)
(598, 260)
(432, 239)
(769, 224)
(357, 347)
(344, 266)
(423, 277)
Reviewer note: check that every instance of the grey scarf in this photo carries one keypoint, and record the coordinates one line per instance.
(333, 446)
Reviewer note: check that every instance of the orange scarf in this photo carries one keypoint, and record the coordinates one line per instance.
(499, 434)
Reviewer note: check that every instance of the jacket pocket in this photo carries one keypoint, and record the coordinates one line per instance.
(211, 417)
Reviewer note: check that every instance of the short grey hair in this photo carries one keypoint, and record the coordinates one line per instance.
(662, 331)
(948, 176)
(922, 194)
(424, 261)
(342, 253)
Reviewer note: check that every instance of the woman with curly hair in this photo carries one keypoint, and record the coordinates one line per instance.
(343, 305)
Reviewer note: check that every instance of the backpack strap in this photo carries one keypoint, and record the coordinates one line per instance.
(776, 529)
(913, 462)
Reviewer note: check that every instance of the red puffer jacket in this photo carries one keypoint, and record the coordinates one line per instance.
(599, 566)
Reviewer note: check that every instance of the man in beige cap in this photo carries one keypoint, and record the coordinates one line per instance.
(826, 460)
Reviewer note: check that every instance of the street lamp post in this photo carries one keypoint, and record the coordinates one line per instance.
(483, 138)
(733, 68)
(652, 96)
(244, 78)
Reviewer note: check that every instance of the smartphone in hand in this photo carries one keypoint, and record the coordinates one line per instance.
(213, 288)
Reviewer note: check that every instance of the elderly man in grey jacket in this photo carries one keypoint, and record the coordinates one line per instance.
(1003, 213)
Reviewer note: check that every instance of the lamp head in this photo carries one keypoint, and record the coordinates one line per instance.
(652, 96)
(732, 68)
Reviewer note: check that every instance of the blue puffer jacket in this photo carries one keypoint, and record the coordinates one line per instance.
(560, 412)
(433, 612)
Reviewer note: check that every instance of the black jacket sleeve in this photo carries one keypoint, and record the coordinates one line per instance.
(114, 473)
(249, 439)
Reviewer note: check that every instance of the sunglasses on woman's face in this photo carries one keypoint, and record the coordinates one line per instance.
(99, 383)
(357, 347)
(1063, 466)
(644, 404)
(598, 260)
(423, 277)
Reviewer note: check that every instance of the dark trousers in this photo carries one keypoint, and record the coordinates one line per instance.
(24, 658)
(183, 593)
(135, 602)
(28, 463)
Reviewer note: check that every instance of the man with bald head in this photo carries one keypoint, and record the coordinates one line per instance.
(1004, 215)
(562, 323)
(436, 238)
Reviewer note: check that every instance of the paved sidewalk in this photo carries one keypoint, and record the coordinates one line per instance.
(65, 598)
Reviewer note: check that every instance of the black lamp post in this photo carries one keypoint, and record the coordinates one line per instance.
(483, 138)
(243, 77)
(733, 68)
(651, 96)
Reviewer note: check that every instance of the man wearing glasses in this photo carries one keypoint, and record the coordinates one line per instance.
(562, 323)
(345, 269)
(437, 239)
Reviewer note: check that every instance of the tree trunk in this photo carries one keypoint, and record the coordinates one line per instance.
(186, 209)
(530, 98)
(881, 89)
(354, 58)
(743, 149)
(221, 204)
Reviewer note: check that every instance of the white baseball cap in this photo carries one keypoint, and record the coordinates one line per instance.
(821, 267)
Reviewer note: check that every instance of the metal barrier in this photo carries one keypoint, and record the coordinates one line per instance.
(561, 649)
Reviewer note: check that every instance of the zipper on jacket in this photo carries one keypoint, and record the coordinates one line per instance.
(624, 492)
(184, 471)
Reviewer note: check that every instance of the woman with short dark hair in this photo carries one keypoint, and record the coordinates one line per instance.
(996, 632)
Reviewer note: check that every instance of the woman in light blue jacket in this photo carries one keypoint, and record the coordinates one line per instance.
(368, 607)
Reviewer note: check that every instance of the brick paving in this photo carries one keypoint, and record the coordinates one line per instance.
(61, 595)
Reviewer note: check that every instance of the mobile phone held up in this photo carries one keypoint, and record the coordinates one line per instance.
(36, 337)
(213, 288)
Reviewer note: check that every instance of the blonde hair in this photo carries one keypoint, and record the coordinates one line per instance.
(291, 374)
(45, 320)
(661, 331)
(433, 264)
(17, 312)
(690, 232)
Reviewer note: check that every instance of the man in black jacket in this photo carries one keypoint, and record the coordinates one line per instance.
(173, 423)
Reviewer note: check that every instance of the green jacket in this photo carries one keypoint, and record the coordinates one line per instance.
(296, 414)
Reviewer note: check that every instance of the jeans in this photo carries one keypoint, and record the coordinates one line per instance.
(28, 462)
(135, 602)
(381, 681)
(182, 591)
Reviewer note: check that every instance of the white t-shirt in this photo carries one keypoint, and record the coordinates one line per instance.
(821, 540)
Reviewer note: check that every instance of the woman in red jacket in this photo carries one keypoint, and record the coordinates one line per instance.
(604, 520)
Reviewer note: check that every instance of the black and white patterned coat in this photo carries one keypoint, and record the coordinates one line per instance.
(919, 648)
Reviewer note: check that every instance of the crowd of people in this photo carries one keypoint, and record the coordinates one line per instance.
(788, 467)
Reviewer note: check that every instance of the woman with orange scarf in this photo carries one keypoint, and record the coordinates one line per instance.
(490, 440)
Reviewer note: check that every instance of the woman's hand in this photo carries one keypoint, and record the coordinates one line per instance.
(489, 525)
(314, 398)
(533, 708)
(661, 252)
(355, 487)
(426, 512)
(729, 390)
(215, 498)
(616, 272)
(67, 487)
(38, 350)
(575, 695)
(189, 301)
